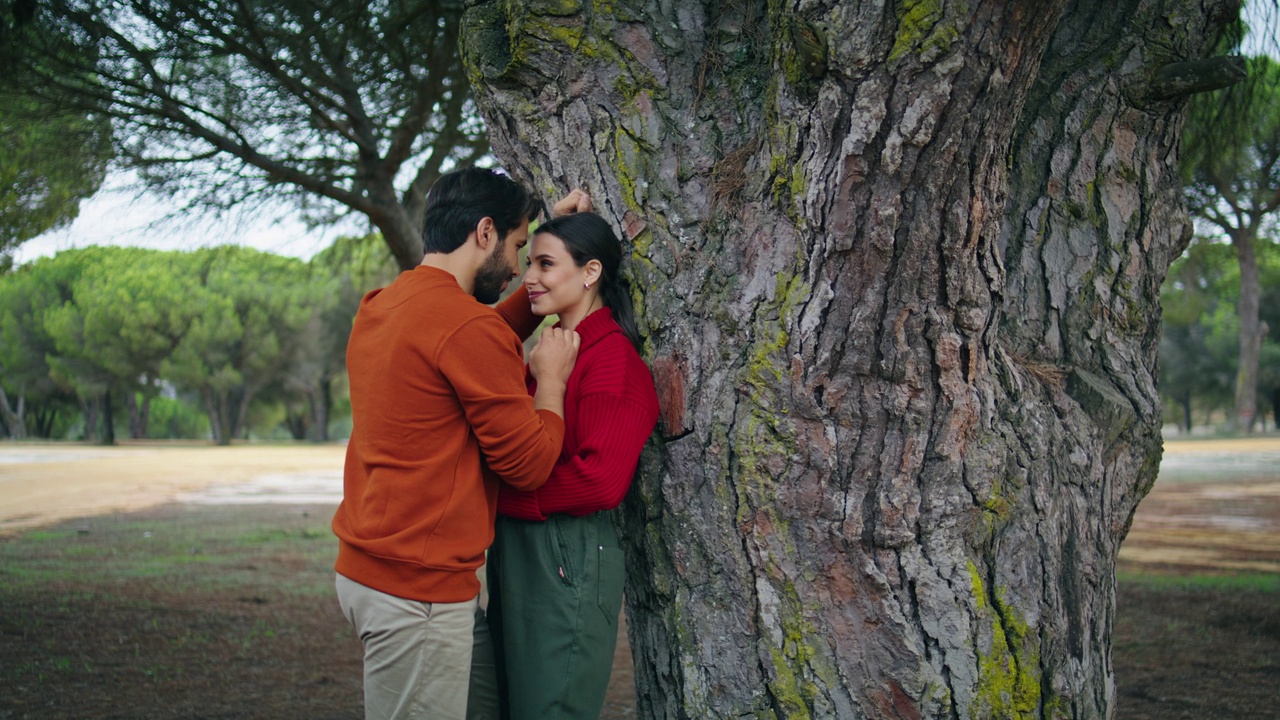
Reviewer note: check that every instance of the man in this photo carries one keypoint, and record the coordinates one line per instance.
(440, 414)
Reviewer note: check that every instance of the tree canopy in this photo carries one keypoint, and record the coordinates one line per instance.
(51, 159)
(106, 329)
(340, 107)
(1231, 158)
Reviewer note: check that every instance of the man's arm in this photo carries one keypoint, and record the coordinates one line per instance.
(520, 439)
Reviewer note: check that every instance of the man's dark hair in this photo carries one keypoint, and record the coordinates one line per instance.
(459, 199)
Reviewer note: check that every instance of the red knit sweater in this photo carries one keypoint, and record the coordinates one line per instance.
(610, 409)
(439, 413)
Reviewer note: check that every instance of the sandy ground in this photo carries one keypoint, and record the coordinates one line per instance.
(1216, 504)
(43, 483)
(1216, 507)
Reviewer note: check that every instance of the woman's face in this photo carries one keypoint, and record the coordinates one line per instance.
(555, 282)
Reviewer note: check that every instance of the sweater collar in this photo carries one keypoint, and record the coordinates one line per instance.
(596, 326)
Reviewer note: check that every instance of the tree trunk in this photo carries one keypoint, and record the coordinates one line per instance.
(44, 418)
(242, 398)
(14, 422)
(215, 404)
(1185, 402)
(144, 417)
(108, 419)
(402, 236)
(321, 400)
(137, 415)
(1246, 406)
(89, 409)
(899, 274)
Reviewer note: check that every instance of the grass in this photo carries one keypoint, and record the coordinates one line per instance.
(175, 612)
(1209, 582)
(173, 550)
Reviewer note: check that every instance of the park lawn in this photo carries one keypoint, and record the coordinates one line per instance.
(187, 611)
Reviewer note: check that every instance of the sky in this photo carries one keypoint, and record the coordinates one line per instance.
(117, 215)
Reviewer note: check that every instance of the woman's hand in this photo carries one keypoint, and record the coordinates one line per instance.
(575, 202)
(552, 359)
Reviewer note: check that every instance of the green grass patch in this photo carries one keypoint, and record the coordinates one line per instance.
(205, 549)
(1241, 582)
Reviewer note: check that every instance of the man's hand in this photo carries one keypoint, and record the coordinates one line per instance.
(552, 359)
(575, 202)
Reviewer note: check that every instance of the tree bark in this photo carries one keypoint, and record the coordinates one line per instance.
(1246, 405)
(320, 401)
(89, 409)
(14, 422)
(899, 275)
(217, 407)
(108, 419)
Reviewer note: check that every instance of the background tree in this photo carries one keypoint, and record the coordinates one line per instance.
(354, 266)
(60, 336)
(126, 312)
(51, 161)
(899, 270)
(1269, 356)
(1199, 343)
(1232, 160)
(51, 158)
(134, 307)
(29, 395)
(257, 311)
(342, 107)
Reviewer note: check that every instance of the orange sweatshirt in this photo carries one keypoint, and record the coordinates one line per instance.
(440, 412)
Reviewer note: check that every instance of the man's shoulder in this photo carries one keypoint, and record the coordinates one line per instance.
(434, 296)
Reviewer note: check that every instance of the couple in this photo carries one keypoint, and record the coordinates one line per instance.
(449, 427)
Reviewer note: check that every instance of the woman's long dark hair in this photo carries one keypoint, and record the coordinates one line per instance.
(588, 237)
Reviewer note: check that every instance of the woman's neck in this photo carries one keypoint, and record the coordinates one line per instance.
(569, 319)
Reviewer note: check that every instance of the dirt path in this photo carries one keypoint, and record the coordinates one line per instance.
(1216, 506)
(1180, 653)
(44, 483)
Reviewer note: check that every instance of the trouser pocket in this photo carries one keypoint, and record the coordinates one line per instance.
(611, 571)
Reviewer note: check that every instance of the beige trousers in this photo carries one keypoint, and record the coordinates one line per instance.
(417, 655)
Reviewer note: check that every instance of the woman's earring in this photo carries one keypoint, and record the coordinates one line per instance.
(586, 285)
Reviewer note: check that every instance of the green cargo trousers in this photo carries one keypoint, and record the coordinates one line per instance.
(555, 591)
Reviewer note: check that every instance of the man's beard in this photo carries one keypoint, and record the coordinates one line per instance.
(490, 278)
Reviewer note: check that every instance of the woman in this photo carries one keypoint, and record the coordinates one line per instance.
(555, 569)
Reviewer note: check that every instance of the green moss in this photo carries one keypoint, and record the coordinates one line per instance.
(919, 28)
(569, 35)
(787, 689)
(556, 7)
(798, 181)
(622, 167)
(793, 691)
(1008, 680)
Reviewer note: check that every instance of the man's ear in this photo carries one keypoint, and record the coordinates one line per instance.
(486, 233)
